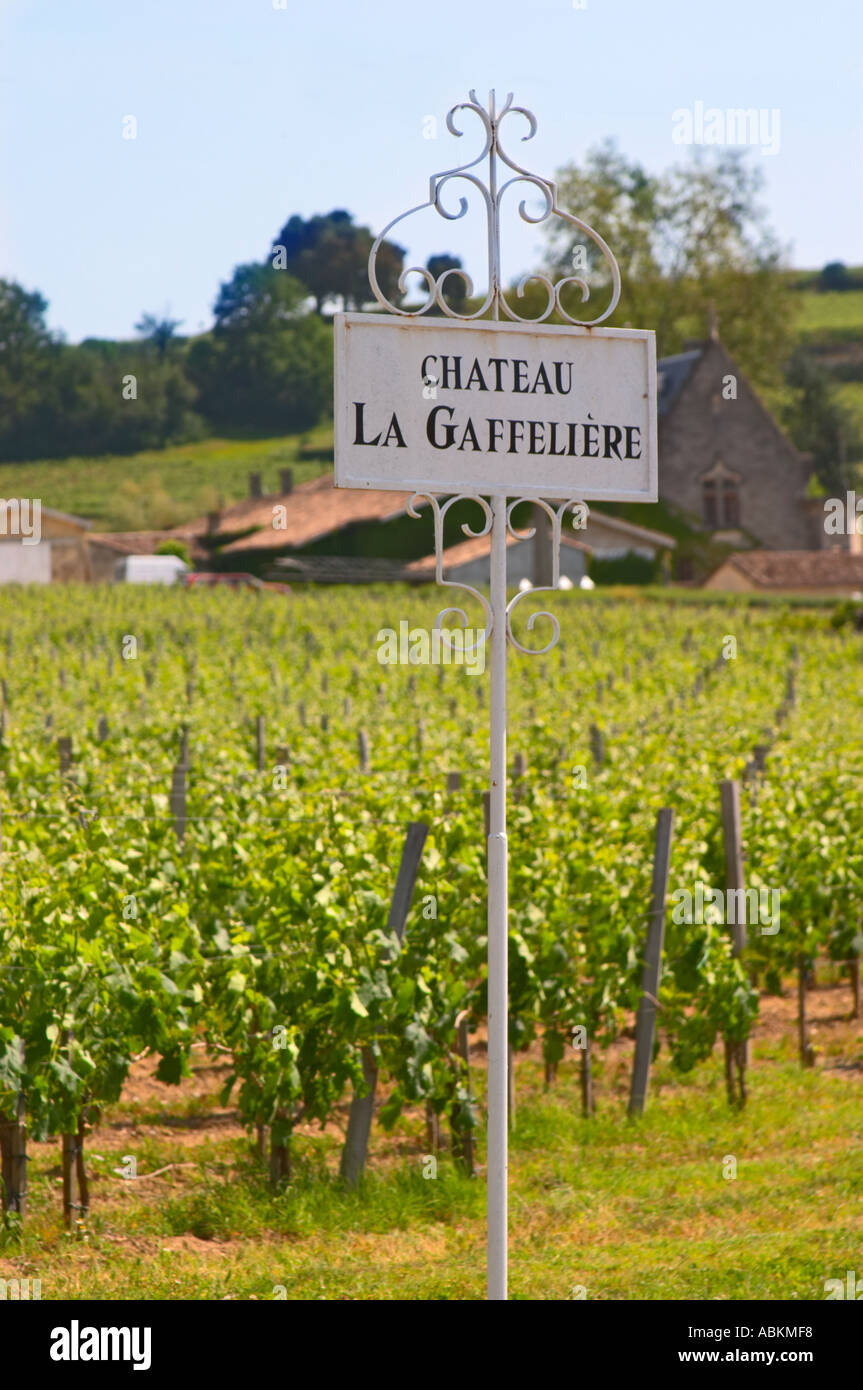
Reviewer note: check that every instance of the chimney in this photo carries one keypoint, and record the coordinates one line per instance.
(255, 489)
(713, 322)
(286, 476)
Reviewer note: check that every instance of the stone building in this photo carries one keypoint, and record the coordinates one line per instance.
(724, 462)
(604, 537)
(39, 544)
(824, 572)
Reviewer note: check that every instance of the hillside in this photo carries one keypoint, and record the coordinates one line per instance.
(161, 488)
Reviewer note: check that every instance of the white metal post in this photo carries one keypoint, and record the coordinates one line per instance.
(497, 918)
(497, 522)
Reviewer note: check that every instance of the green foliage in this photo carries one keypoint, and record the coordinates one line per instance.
(265, 933)
(267, 363)
(330, 256)
(189, 480)
(819, 423)
(688, 242)
(454, 286)
(836, 276)
(626, 569)
(58, 400)
(178, 548)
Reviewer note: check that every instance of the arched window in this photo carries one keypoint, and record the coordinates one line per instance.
(720, 498)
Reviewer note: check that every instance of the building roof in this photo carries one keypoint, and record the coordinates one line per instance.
(798, 569)
(311, 510)
(454, 555)
(477, 547)
(645, 534)
(132, 542)
(672, 373)
(7, 502)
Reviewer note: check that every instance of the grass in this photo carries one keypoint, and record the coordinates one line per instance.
(617, 1209)
(836, 315)
(163, 487)
(850, 393)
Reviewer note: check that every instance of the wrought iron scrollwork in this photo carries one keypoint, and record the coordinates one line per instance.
(555, 516)
(439, 512)
(492, 195)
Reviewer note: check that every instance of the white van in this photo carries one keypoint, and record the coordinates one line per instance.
(149, 569)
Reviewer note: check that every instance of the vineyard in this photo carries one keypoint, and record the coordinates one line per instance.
(206, 799)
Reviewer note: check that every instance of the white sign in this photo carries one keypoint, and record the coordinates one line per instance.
(495, 409)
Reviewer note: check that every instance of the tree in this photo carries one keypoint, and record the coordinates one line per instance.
(268, 362)
(27, 353)
(684, 240)
(57, 400)
(455, 288)
(835, 276)
(159, 331)
(330, 256)
(819, 424)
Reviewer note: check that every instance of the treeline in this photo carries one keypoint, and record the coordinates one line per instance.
(691, 244)
(834, 276)
(100, 397)
(266, 364)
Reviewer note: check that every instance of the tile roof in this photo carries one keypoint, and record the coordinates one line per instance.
(316, 508)
(454, 555)
(132, 542)
(794, 569)
(312, 510)
(7, 502)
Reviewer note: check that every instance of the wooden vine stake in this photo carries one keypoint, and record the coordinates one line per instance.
(645, 1025)
(588, 1099)
(854, 973)
(363, 1105)
(64, 754)
(13, 1157)
(363, 750)
(280, 1158)
(807, 1051)
(178, 800)
(460, 1130)
(81, 1174)
(597, 745)
(519, 773)
(69, 1160)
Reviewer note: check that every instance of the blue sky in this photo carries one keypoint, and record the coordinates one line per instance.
(247, 113)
